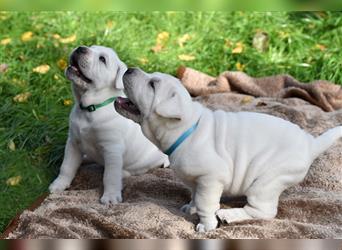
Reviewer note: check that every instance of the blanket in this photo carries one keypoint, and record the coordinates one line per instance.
(324, 94)
(151, 202)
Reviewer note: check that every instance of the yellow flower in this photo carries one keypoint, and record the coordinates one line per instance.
(183, 39)
(239, 66)
(69, 39)
(11, 145)
(62, 64)
(67, 102)
(42, 69)
(13, 181)
(27, 36)
(5, 41)
(238, 48)
(185, 57)
(22, 97)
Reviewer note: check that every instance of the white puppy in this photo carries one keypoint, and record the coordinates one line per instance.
(97, 130)
(219, 152)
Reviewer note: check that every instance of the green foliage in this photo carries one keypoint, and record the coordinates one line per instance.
(305, 45)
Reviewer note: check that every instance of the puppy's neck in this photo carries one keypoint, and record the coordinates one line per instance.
(96, 96)
(164, 136)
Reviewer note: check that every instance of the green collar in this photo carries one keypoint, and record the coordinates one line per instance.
(94, 107)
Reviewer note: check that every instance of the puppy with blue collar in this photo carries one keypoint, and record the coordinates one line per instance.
(96, 131)
(217, 152)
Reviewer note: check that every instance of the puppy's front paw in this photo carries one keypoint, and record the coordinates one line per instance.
(59, 185)
(111, 198)
(189, 209)
(202, 228)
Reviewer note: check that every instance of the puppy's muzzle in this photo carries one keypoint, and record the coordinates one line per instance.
(82, 50)
(130, 71)
(127, 77)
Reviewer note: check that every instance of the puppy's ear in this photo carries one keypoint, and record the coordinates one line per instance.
(170, 108)
(118, 84)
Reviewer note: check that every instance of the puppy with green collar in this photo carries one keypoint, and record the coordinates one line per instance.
(217, 152)
(97, 131)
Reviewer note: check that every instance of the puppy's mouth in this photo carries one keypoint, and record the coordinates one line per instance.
(127, 105)
(75, 68)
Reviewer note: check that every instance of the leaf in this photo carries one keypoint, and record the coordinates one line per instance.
(183, 39)
(67, 102)
(238, 48)
(110, 24)
(3, 67)
(5, 41)
(161, 41)
(157, 48)
(283, 34)
(23, 97)
(13, 181)
(56, 36)
(228, 43)
(69, 39)
(246, 100)
(321, 47)
(261, 41)
(42, 69)
(11, 145)
(162, 38)
(143, 60)
(239, 66)
(62, 64)
(185, 57)
(27, 36)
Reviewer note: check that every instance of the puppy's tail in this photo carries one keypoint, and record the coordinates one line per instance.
(325, 140)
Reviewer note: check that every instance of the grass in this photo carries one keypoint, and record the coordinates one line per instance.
(305, 45)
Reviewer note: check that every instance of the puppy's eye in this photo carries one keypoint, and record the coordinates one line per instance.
(151, 83)
(102, 59)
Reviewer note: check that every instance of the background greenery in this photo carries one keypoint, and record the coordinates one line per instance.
(33, 128)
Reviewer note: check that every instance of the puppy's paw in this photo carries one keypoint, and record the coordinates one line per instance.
(202, 228)
(111, 198)
(189, 209)
(59, 185)
(232, 215)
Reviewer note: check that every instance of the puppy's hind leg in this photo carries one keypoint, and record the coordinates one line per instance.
(190, 208)
(71, 162)
(262, 200)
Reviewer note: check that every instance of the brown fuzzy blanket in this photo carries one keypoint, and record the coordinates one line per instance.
(326, 95)
(312, 209)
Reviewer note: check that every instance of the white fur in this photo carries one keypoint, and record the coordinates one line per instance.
(242, 153)
(103, 136)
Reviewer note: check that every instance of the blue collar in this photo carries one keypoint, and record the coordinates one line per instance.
(180, 139)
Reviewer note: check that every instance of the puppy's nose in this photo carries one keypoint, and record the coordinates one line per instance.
(82, 50)
(130, 70)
